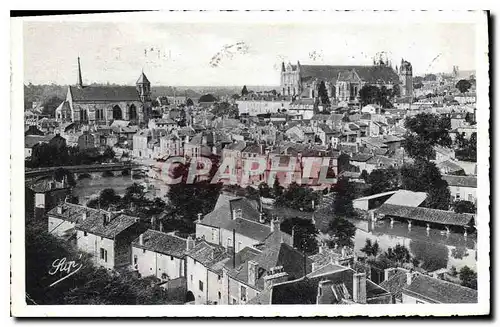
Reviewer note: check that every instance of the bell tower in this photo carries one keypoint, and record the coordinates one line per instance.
(406, 78)
(143, 86)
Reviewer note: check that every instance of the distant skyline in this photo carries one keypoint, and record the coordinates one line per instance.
(182, 54)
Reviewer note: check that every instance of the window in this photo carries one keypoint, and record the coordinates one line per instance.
(469, 197)
(171, 258)
(104, 255)
(457, 197)
(229, 242)
(191, 277)
(234, 301)
(220, 295)
(84, 233)
(200, 285)
(135, 261)
(143, 250)
(243, 293)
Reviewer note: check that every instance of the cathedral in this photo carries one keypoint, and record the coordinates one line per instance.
(101, 104)
(344, 82)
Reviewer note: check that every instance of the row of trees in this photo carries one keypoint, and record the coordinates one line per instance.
(53, 155)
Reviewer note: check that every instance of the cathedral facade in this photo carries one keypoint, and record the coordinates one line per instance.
(343, 83)
(101, 104)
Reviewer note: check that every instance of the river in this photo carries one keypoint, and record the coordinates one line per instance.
(453, 250)
(88, 188)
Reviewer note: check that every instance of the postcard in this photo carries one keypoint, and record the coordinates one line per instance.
(289, 163)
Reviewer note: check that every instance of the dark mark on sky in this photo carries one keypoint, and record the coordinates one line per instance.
(228, 52)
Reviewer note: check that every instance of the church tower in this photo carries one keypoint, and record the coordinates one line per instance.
(143, 86)
(406, 78)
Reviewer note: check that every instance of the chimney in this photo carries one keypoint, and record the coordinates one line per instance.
(190, 243)
(409, 276)
(253, 269)
(161, 226)
(389, 272)
(199, 217)
(359, 288)
(141, 239)
(107, 218)
(274, 276)
(59, 209)
(275, 225)
(84, 215)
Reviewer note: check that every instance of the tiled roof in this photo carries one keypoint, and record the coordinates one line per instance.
(463, 181)
(160, 242)
(361, 157)
(104, 93)
(95, 224)
(209, 255)
(426, 214)
(396, 282)
(439, 291)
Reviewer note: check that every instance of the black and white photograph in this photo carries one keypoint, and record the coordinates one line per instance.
(291, 163)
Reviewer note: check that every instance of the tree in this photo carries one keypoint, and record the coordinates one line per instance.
(297, 197)
(463, 85)
(108, 154)
(424, 131)
(369, 94)
(468, 277)
(463, 206)
(304, 234)
(467, 150)
(383, 180)
(342, 231)
(364, 175)
(370, 249)
(424, 176)
(244, 91)
(264, 190)
(323, 93)
(344, 194)
(207, 98)
(399, 254)
(430, 256)
(277, 189)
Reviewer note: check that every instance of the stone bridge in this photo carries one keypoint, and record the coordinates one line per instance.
(81, 169)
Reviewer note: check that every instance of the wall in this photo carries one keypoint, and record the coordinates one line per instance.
(196, 272)
(407, 299)
(211, 234)
(153, 263)
(235, 292)
(92, 244)
(464, 193)
(244, 240)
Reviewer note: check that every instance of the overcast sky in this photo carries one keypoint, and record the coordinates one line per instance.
(181, 54)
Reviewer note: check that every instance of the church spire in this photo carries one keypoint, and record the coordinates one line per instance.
(79, 81)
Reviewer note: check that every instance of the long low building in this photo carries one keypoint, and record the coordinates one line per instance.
(426, 215)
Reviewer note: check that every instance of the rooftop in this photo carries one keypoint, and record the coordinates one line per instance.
(160, 242)
(439, 291)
